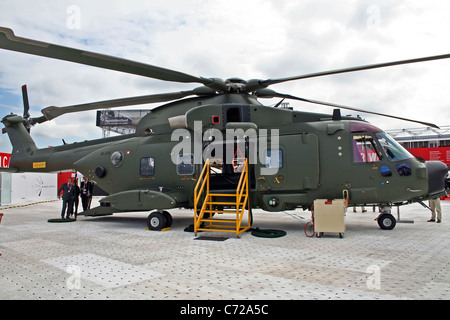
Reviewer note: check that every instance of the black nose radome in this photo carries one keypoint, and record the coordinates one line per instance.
(437, 172)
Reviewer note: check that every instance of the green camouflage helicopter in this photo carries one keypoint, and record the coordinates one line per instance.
(287, 158)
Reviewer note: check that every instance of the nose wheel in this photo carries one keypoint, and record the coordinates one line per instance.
(386, 221)
(159, 220)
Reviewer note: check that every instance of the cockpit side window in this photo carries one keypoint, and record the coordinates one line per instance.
(365, 149)
(393, 150)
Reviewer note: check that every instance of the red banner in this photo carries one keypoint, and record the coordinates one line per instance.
(4, 160)
(437, 154)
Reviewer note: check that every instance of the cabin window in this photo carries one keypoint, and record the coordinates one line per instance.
(117, 159)
(365, 149)
(147, 167)
(185, 164)
(274, 159)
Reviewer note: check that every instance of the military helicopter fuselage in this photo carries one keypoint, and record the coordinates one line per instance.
(321, 156)
(291, 158)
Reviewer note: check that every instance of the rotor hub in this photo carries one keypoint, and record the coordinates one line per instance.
(235, 85)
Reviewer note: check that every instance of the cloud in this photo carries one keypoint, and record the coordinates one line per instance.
(247, 39)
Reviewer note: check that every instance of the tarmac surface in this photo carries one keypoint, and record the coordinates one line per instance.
(115, 257)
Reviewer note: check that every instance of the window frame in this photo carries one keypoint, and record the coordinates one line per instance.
(180, 160)
(280, 159)
(148, 166)
(368, 143)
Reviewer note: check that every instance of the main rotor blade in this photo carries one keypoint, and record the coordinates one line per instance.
(53, 112)
(9, 41)
(352, 69)
(267, 93)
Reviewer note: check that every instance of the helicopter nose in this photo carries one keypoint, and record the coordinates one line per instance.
(437, 172)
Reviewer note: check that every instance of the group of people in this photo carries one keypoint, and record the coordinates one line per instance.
(71, 193)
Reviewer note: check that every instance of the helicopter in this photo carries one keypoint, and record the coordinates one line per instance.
(290, 157)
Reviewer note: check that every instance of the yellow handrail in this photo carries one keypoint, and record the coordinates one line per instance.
(242, 185)
(202, 180)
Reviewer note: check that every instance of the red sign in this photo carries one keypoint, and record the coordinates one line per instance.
(63, 176)
(435, 154)
(4, 160)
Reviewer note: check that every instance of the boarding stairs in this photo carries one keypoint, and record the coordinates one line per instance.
(232, 202)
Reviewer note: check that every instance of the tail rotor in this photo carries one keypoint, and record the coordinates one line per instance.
(26, 107)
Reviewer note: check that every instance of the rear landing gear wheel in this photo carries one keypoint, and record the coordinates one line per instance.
(156, 221)
(169, 219)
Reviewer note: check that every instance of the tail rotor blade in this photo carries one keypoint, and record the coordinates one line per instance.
(26, 105)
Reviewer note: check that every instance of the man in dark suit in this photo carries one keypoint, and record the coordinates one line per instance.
(68, 196)
(86, 193)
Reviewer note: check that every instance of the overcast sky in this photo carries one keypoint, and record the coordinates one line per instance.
(246, 38)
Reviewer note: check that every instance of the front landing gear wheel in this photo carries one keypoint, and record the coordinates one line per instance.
(156, 221)
(386, 221)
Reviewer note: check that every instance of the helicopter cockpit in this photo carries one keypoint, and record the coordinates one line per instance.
(376, 148)
(371, 144)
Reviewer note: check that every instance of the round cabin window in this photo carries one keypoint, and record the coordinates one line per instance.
(117, 159)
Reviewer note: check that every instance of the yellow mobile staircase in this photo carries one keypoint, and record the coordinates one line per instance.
(206, 204)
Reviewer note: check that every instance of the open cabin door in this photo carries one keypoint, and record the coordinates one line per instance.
(227, 160)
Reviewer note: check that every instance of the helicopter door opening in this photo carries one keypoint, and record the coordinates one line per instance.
(226, 169)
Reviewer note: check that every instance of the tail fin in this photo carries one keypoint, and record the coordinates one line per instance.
(18, 129)
(23, 144)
